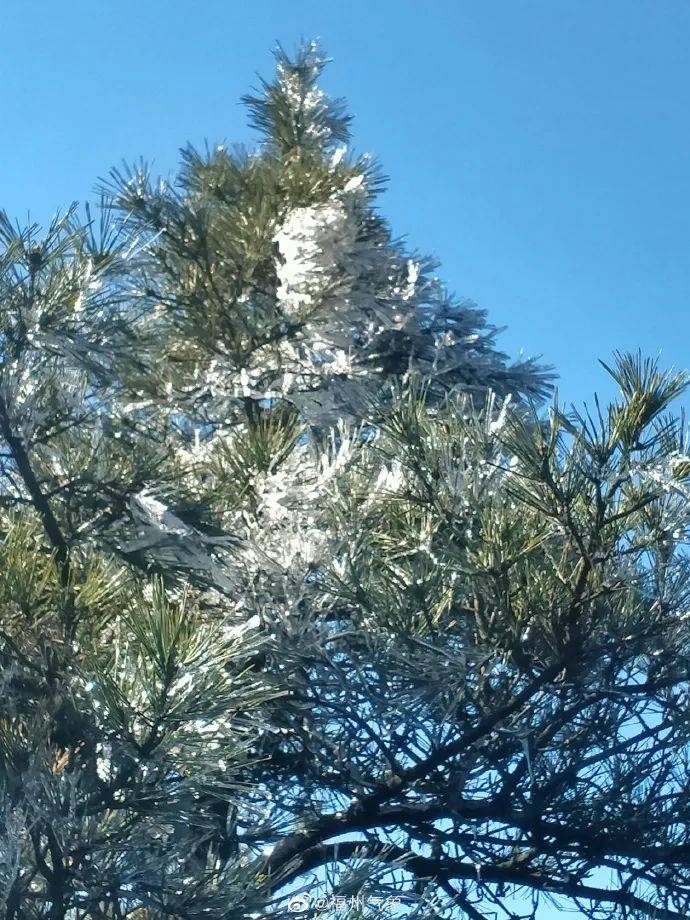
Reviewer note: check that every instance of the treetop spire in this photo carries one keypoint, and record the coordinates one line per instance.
(292, 111)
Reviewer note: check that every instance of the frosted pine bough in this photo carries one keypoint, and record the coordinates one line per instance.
(327, 307)
(375, 300)
(314, 246)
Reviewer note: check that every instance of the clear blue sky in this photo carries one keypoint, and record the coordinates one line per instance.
(539, 148)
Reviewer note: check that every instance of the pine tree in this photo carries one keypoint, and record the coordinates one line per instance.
(306, 604)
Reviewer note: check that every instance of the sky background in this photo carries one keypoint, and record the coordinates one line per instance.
(538, 149)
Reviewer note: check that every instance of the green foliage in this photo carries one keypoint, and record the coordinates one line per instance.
(292, 111)
(266, 441)
(647, 391)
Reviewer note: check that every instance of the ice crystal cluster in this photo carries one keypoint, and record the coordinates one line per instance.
(313, 246)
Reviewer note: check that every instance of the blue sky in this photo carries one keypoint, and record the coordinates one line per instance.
(539, 148)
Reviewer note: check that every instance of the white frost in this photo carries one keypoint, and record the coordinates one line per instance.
(312, 243)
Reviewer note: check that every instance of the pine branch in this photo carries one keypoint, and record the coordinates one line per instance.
(44, 510)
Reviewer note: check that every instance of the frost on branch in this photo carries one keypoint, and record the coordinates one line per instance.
(165, 538)
(313, 246)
